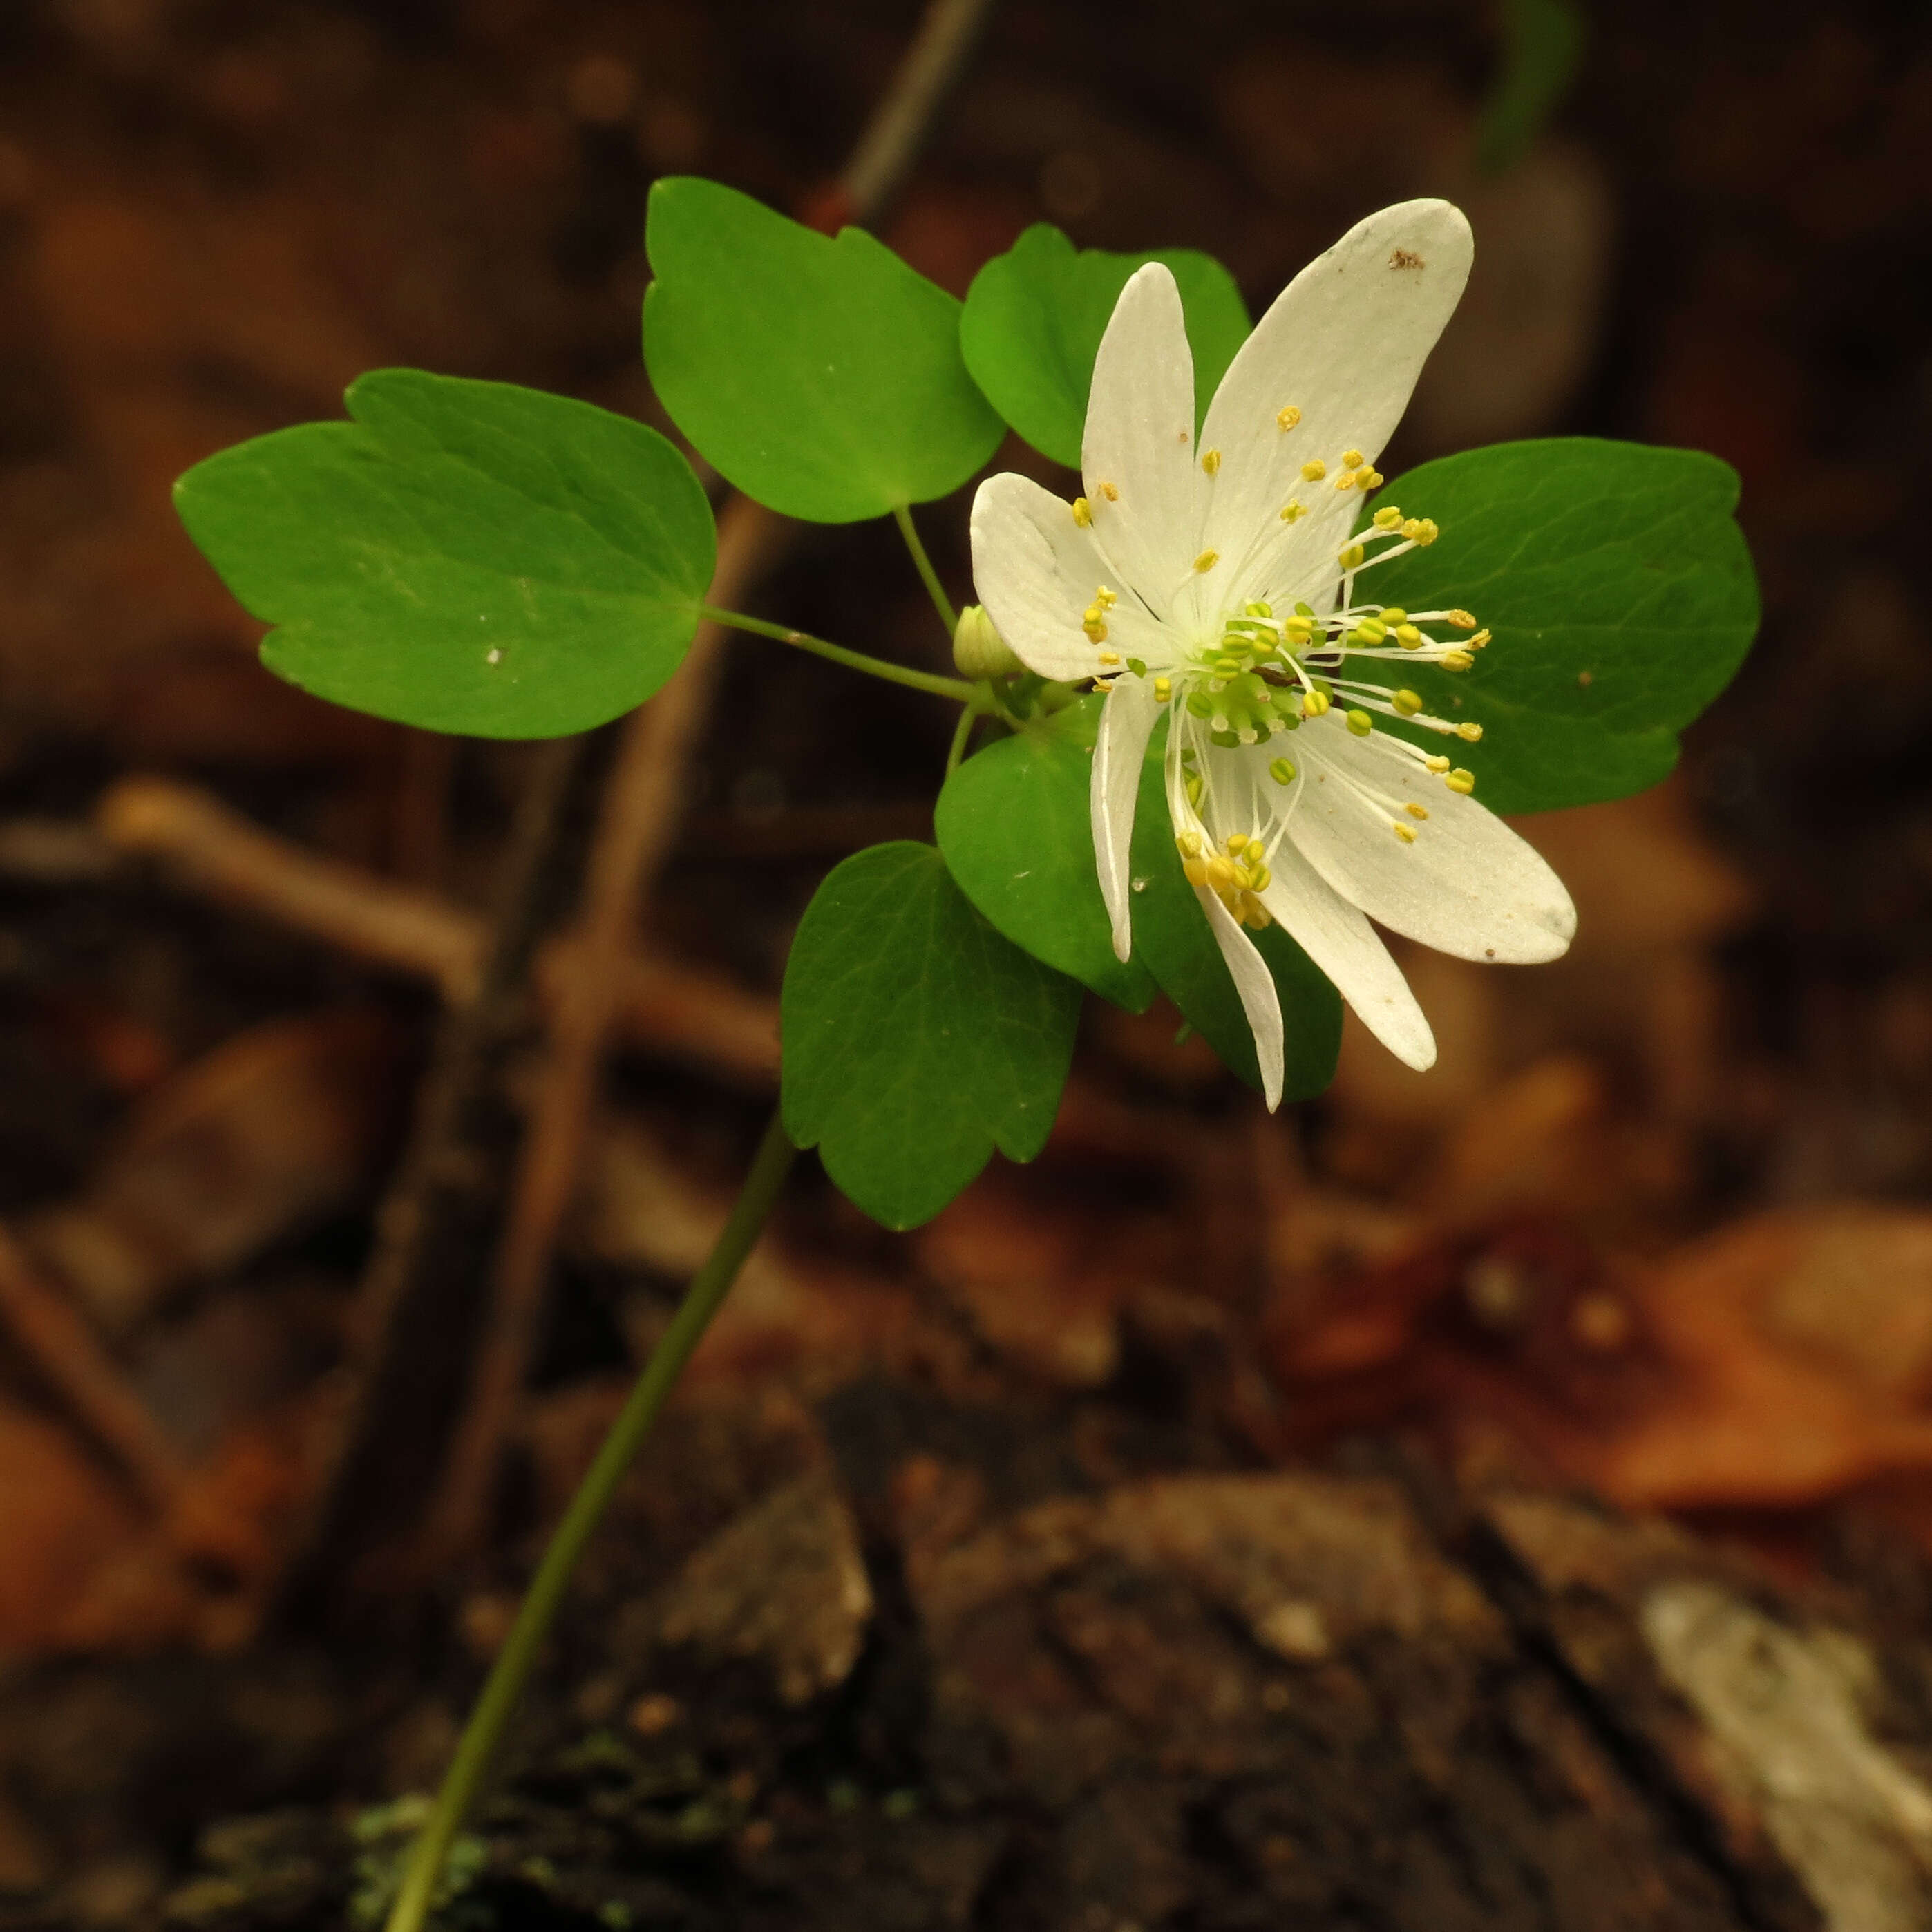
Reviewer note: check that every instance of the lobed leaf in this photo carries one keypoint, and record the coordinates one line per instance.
(462, 556)
(823, 376)
(1035, 315)
(1621, 596)
(915, 1039)
(1014, 824)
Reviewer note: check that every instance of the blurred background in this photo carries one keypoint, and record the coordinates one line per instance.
(1654, 1231)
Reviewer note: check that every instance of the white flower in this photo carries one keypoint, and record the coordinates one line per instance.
(1222, 587)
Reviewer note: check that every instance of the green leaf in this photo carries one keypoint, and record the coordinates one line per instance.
(822, 377)
(1172, 936)
(916, 1039)
(1035, 315)
(1013, 823)
(1621, 597)
(1543, 47)
(465, 557)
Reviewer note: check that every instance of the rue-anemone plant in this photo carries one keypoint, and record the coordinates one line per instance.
(1232, 701)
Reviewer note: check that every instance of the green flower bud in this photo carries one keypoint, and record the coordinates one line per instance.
(979, 650)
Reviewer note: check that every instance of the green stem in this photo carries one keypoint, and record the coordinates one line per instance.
(954, 687)
(923, 565)
(961, 733)
(507, 1676)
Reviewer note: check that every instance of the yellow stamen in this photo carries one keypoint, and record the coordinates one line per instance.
(1456, 660)
(1210, 461)
(1346, 481)
(1393, 613)
(1292, 511)
(1257, 851)
(1359, 722)
(1477, 642)
(1352, 459)
(1409, 638)
(1237, 844)
(1463, 620)
(1108, 491)
(1110, 657)
(1470, 734)
(1417, 810)
(1206, 559)
(1403, 832)
(1369, 478)
(1282, 771)
(1407, 702)
(1387, 517)
(1083, 512)
(1196, 870)
(1314, 703)
(1461, 781)
(1163, 689)
(1221, 874)
(1288, 416)
(1351, 558)
(1094, 623)
(1437, 763)
(1421, 531)
(1313, 470)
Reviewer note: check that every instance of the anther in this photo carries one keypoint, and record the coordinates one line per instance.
(1083, 512)
(1388, 518)
(1094, 624)
(1314, 703)
(1437, 763)
(1369, 478)
(1163, 689)
(1372, 630)
(1237, 843)
(1353, 459)
(1256, 851)
(1194, 784)
(1313, 470)
(1138, 666)
(1287, 417)
(1346, 481)
(1220, 873)
(1421, 531)
(1456, 660)
(1359, 722)
(1196, 870)
(1461, 781)
(1393, 613)
(1463, 620)
(1257, 610)
(1351, 558)
(1108, 491)
(1189, 843)
(1292, 511)
(1283, 771)
(1477, 642)
(1110, 657)
(1407, 704)
(1104, 598)
(1206, 559)
(1416, 810)
(1403, 832)
(1470, 734)
(1409, 638)
(1210, 461)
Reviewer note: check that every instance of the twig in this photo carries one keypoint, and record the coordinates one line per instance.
(431, 1180)
(204, 845)
(64, 1349)
(640, 809)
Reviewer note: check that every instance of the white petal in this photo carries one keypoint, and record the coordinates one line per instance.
(1343, 343)
(1037, 571)
(1126, 722)
(1137, 453)
(1468, 886)
(1347, 948)
(1255, 985)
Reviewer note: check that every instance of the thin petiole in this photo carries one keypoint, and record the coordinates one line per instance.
(961, 732)
(923, 564)
(422, 1875)
(956, 689)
